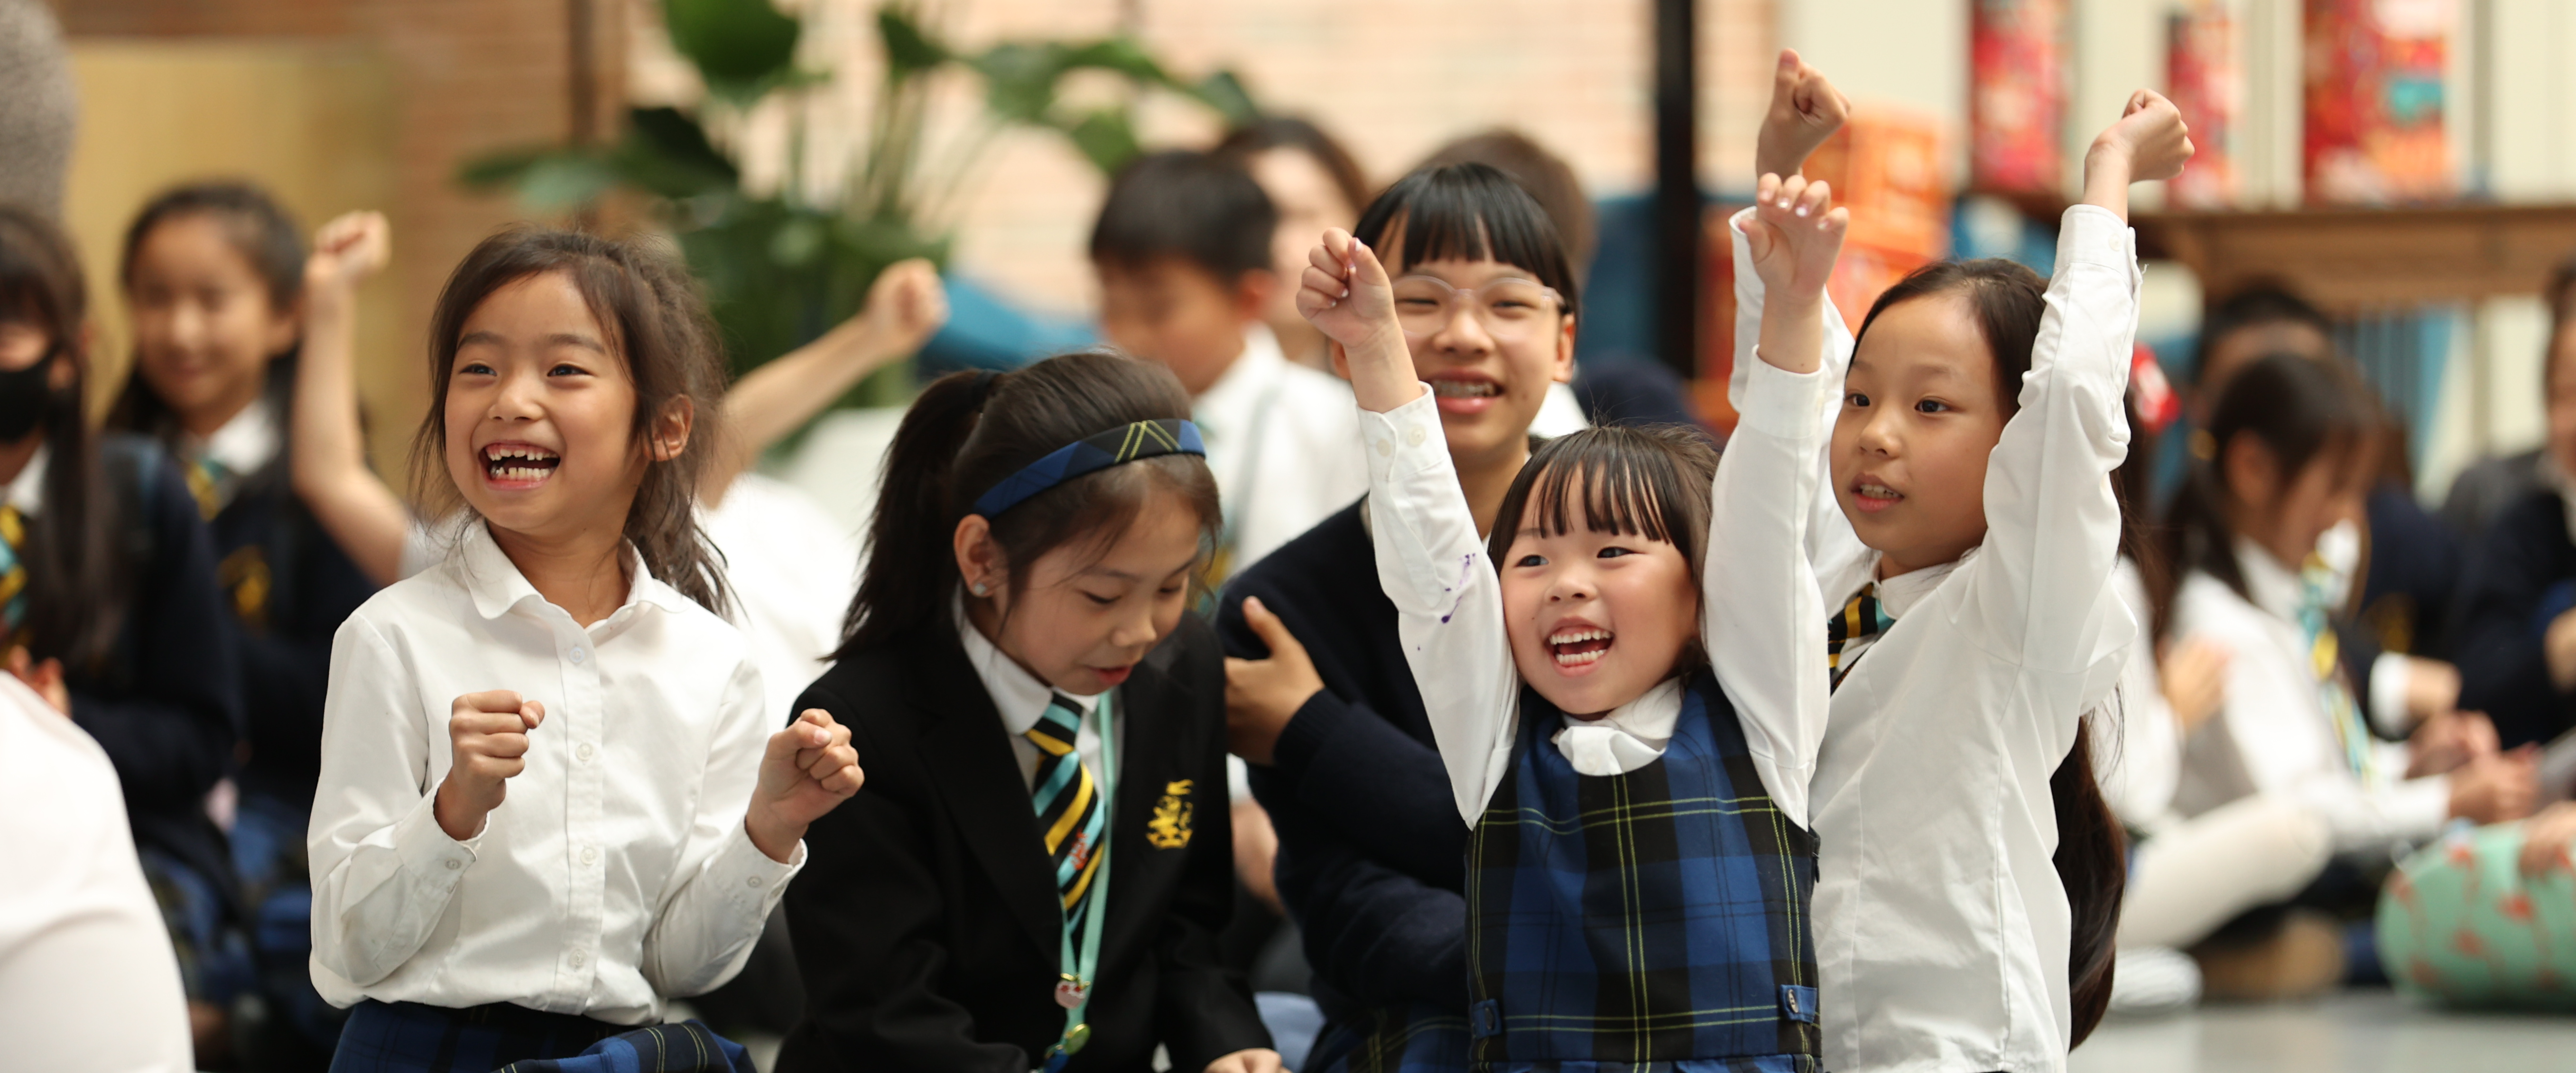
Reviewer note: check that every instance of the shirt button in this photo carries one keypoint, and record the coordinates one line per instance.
(1414, 436)
(753, 882)
(577, 654)
(577, 959)
(454, 864)
(1385, 447)
(590, 855)
(584, 752)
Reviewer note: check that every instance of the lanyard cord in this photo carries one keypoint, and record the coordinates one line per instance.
(1081, 972)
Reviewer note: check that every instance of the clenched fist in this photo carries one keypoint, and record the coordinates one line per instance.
(487, 737)
(809, 769)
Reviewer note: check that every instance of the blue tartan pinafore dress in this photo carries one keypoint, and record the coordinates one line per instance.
(1653, 920)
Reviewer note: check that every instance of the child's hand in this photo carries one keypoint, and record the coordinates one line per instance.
(1262, 695)
(2497, 787)
(1805, 110)
(2546, 839)
(45, 678)
(2193, 675)
(2448, 741)
(1257, 1060)
(809, 769)
(2148, 144)
(905, 307)
(487, 740)
(1346, 294)
(1795, 234)
(347, 250)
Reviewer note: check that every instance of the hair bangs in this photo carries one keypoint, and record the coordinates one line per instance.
(1624, 480)
(1470, 212)
(1609, 489)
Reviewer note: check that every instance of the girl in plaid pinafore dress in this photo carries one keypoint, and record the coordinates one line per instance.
(1631, 754)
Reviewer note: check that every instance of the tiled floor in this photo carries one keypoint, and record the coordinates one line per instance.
(2360, 1032)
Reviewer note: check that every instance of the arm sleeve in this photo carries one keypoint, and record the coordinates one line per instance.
(2040, 595)
(866, 922)
(1448, 602)
(1763, 620)
(383, 871)
(2504, 619)
(724, 888)
(1373, 932)
(2263, 693)
(1830, 540)
(171, 736)
(1204, 1010)
(1374, 786)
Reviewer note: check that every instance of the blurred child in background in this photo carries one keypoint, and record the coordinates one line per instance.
(218, 288)
(1552, 181)
(1313, 184)
(111, 612)
(2285, 457)
(1183, 252)
(2517, 615)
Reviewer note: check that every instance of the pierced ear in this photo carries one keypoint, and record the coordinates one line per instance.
(1565, 353)
(1252, 292)
(671, 428)
(979, 559)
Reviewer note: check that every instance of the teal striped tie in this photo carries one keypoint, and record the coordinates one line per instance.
(1068, 806)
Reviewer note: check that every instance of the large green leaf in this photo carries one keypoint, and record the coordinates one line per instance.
(1121, 54)
(1019, 79)
(736, 44)
(1225, 93)
(1107, 138)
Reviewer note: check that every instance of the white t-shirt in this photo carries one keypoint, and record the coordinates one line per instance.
(87, 979)
(1282, 445)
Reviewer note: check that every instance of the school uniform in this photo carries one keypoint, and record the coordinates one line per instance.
(165, 701)
(1686, 808)
(2521, 578)
(2284, 729)
(616, 874)
(930, 935)
(1372, 856)
(1941, 923)
(1282, 447)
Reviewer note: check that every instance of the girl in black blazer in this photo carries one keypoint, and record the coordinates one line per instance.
(1043, 725)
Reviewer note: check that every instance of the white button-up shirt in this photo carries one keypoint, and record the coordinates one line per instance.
(2273, 733)
(1281, 445)
(1758, 607)
(1941, 927)
(615, 875)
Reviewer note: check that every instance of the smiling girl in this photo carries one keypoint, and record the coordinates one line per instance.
(1037, 873)
(1972, 873)
(546, 807)
(1639, 869)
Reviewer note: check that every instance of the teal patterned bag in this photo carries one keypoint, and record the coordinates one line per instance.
(2460, 923)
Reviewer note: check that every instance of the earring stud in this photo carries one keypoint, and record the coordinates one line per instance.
(979, 588)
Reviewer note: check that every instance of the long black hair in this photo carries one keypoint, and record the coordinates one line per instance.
(970, 430)
(77, 587)
(2008, 301)
(656, 322)
(1471, 212)
(265, 235)
(2300, 409)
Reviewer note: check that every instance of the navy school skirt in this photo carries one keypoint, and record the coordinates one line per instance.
(408, 1037)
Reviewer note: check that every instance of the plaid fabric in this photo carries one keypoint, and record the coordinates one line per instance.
(408, 1037)
(686, 1047)
(1422, 1038)
(1655, 919)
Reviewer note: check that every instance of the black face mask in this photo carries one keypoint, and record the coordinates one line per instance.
(24, 395)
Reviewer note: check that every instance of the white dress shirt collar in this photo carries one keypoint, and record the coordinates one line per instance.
(245, 444)
(1227, 406)
(497, 587)
(1632, 736)
(26, 491)
(1898, 595)
(1021, 697)
(2269, 585)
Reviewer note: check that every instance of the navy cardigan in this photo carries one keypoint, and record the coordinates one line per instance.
(2522, 575)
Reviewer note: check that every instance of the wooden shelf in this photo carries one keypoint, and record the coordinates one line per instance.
(2352, 259)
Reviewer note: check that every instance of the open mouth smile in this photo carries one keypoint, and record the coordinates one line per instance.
(1872, 497)
(1579, 646)
(518, 465)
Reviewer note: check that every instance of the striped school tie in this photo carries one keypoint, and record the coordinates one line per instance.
(13, 571)
(1860, 620)
(2317, 584)
(206, 479)
(1068, 806)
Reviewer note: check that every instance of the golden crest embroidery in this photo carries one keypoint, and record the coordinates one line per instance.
(244, 575)
(1170, 827)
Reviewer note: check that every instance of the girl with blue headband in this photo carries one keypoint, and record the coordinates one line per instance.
(1036, 872)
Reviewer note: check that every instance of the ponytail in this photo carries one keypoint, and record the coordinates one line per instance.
(965, 434)
(2092, 865)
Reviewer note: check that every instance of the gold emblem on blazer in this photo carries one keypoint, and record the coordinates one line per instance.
(1170, 827)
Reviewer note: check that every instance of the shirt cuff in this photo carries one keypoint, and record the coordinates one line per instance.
(1404, 441)
(2388, 678)
(2420, 807)
(435, 861)
(1748, 284)
(2093, 235)
(751, 881)
(1307, 732)
(1783, 404)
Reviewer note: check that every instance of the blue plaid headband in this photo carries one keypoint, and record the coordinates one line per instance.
(1098, 451)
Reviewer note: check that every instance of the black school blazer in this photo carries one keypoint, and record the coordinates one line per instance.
(926, 922)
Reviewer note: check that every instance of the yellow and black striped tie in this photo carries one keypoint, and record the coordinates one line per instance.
(1860, 620)
(1070, 818)
(206, 480)
(13, 571)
